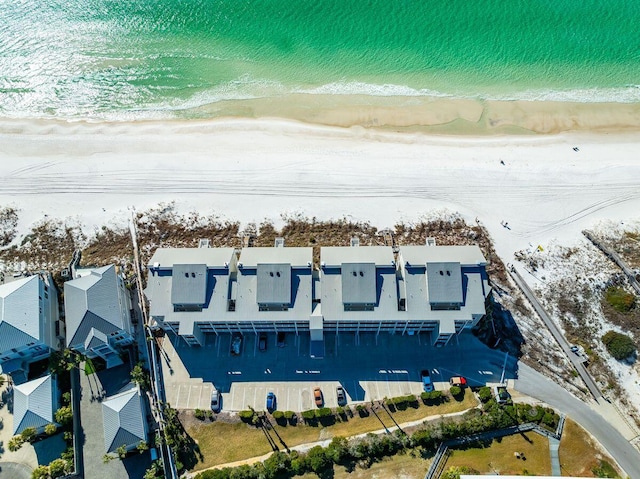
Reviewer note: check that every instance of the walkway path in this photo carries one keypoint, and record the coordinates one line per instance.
(615, 257)
(554, 446)
(557, 334)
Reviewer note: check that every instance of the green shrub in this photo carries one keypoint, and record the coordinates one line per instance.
(620, 346)
(485, 393)
(247, 415)
(324, 412)
(604, 469)
(455, 391)
(308, 414)
(199, 414)
(289, 414)
(277, 415)
(620, 300)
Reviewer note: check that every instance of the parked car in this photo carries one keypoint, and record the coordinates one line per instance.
(341, 395)
(426, 380)
(262, 342)
(281, 342)
(458, 381)
(236, 344)
(271, 401)
(215, 400)
(317, 396)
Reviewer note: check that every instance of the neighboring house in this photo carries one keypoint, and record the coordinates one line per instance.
(124, 420)
(29, 327)
(34, 404)
(98, 314)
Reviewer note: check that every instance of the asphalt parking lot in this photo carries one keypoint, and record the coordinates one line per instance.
(366, 366)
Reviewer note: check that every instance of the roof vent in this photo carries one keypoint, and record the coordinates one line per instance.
(279, 242)
(355, 241)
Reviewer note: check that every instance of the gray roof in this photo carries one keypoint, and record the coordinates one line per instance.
(34, 404)
(444, 281)
(20, 313)
(92, 302)
(189, 284)
(465, 255)
(212, 257)
(334, 256)
(274, 283)
(358, 283)
(297, 257)
(124, 420)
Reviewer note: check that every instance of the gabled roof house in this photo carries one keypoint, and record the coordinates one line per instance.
(28, 323)
(98, 317)
(34, 404)
(124, 420)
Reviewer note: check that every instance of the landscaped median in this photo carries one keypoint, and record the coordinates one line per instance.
(224, 442)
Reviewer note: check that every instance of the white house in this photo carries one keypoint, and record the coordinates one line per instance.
(98, 314)
(29, 328)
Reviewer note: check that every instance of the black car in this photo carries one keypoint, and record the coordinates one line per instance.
(281, 342)
(262, 342)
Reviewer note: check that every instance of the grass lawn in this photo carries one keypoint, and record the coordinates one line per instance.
(89, 368)
(579, 453)
(402, 466)
(222, 442)
(498, 457)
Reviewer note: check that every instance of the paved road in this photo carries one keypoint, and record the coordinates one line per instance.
(534, 384)
(557, 334)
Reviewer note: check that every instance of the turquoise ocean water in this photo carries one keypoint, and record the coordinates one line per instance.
(128, 59)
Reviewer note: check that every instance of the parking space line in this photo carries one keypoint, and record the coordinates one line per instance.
(255, 397)
(244, 396)
(178, 397)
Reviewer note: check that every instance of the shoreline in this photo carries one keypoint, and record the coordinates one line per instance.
(432, 116)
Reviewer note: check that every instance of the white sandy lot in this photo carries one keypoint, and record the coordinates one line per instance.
(249, 170)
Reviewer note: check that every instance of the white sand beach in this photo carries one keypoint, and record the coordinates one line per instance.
(249, 170)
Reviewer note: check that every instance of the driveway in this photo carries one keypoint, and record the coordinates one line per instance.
(94, 389)
(13, 470)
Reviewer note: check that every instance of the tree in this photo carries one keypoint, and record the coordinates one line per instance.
(64, 415)
(40, 472)
(15, 443)
(28, 434)
(318, 459)
(620, 346)
(142, 446)
(57, 468)
(155, 471)
(140, 376)
(277, 464)
(338, 449)
(50, 429)
(122, 451)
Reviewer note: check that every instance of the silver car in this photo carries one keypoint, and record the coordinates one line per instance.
(215, 400)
